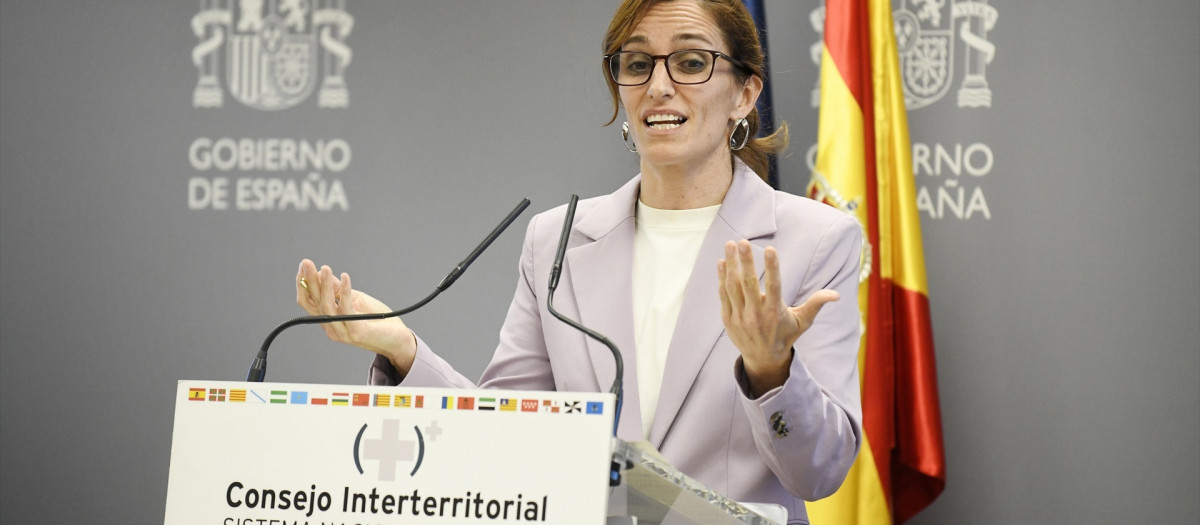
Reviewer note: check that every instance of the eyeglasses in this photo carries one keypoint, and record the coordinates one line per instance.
(686, 66)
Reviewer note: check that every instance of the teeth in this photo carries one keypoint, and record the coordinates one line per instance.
(664, 121)
(664, 118)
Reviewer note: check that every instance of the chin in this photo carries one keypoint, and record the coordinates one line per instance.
(673, 154)
(662, 155)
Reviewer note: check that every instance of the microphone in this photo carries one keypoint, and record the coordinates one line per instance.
(258, 369)
(555, 272)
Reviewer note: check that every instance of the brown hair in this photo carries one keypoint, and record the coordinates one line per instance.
(737, 27)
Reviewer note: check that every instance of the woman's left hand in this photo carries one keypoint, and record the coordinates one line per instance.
(758, 321)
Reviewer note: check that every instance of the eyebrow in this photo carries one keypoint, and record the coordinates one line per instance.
(681, 37)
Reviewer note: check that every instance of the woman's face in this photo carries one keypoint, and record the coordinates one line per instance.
(675, 124)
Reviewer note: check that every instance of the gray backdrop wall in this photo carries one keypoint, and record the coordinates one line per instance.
(1064, 282)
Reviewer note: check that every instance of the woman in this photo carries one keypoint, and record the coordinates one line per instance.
(762, 400)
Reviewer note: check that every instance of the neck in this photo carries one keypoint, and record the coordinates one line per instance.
(685, 187)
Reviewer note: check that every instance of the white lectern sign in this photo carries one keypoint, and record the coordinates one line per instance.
(295, 454)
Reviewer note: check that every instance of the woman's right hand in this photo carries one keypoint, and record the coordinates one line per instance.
(319, 292)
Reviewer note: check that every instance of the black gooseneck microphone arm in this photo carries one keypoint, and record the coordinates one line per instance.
(258, 369)
(555, 272)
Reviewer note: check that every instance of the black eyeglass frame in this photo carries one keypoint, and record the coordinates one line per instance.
(612, 74)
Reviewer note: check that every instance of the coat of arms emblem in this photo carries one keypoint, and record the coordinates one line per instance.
(274, 52)
(926, 32)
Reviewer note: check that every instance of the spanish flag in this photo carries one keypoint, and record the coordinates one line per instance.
(196, 394)
(864, 167)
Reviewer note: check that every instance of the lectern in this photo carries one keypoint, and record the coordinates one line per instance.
(278, 453)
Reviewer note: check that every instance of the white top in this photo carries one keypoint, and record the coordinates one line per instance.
(665, 247)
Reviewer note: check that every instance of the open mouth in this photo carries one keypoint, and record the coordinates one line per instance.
(664, 122)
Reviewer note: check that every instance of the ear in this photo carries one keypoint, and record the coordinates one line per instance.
(747, 96)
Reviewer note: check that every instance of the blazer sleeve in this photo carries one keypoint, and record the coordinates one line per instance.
(520, 361)
(809, 430)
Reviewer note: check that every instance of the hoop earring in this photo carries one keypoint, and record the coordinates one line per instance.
(629, 144)
(734, 144)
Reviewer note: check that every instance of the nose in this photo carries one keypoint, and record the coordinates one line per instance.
(660, 85)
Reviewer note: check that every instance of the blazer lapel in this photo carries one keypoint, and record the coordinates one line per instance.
(746, 213)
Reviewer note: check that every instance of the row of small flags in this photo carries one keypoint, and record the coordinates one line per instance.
(296, 397)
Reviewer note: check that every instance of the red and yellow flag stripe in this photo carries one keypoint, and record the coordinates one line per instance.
(864, 167)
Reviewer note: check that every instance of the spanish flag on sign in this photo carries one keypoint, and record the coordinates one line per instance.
(864, 167)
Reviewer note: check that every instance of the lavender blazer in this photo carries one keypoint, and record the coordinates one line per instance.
(792, 444)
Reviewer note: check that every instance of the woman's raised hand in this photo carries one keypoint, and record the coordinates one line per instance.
(319, 292)
(762, 326)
